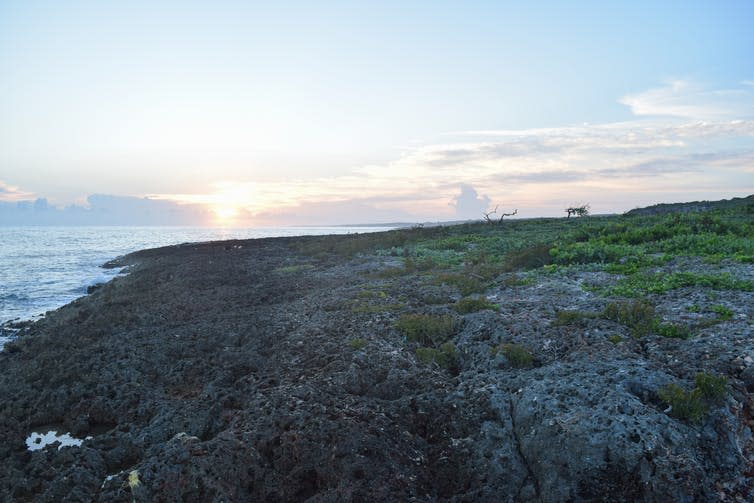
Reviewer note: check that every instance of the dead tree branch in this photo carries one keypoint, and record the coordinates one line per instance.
(488, 215)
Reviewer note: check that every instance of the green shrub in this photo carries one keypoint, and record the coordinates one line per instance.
(445, 356)
(357, 343)
(595, 252)
(711, 386)
(517, 355)
(432, 299)
(390, 272)
(723, 312)
(637, 315)
(672, 330)
(643, 283)
(458, 244)
(486, 270)
(473, 304)
(615, 339)
(516, 280)
(419, 264)
(426, 329)
(687, 405)
(465, 284)
(371, 294)
(528, 258)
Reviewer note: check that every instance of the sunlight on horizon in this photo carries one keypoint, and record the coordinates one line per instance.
(242, 113)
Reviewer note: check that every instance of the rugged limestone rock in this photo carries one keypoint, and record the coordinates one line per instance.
(243, 371)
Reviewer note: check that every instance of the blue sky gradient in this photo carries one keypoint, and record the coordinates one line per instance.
(252, 108)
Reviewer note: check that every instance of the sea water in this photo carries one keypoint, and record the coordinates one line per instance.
(43, 268)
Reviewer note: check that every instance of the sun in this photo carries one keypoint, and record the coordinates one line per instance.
(225, 214)
(230, 202)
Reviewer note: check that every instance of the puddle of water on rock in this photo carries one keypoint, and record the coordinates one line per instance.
(36, 441)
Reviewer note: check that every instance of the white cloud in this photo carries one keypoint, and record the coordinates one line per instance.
(682, 98)
(13, 193)
(700, 147)
(615, 162)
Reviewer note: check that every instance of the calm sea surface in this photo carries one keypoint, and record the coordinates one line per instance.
(43, 268)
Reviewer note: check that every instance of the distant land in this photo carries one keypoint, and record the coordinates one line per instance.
(658, 209)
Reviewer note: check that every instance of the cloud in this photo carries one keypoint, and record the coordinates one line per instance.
(103, 210)
(468, 204)
(353, 211)
(13, 193)
(533, 170)
(681, 98)
(615, 166)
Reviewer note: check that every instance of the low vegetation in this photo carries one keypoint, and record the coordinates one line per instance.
(724, 313)
(473, 304)
(464, 283)
(712, 387)
(637, 315)
(357, 343)
(694, 404)
(566, 317)
(672, 330)
(525, 259)
(686, 405)
(518, 356)
(427, 329)
(444, 356)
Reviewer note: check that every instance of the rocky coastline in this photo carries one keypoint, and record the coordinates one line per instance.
(259, 371)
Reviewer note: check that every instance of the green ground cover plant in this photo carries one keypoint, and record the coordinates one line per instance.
(518, 280)
(427, 329)
(686, 405)
(627, 245)
(529, 258)
(518, 356)
(637, 315)
(640, 284)
(723, 313)
(465, 283)
(357, 343)
(711, 386)
(672, 330)
(445, 356)
(693, 405)
(473, 304)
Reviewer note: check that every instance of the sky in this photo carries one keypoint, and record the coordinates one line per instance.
(242, 113)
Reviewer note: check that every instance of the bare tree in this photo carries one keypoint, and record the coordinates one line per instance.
(579, 211)
(488, 216)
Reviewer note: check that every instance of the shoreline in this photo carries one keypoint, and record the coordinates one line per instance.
(81, 275)
(293, 368)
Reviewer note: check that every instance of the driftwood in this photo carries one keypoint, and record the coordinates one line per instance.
(488, 216)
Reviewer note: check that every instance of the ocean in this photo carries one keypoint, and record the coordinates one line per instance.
(43, 268)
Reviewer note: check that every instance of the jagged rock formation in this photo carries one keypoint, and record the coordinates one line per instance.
(245, 371)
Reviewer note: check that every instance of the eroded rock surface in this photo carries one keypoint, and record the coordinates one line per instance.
(243, 371)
